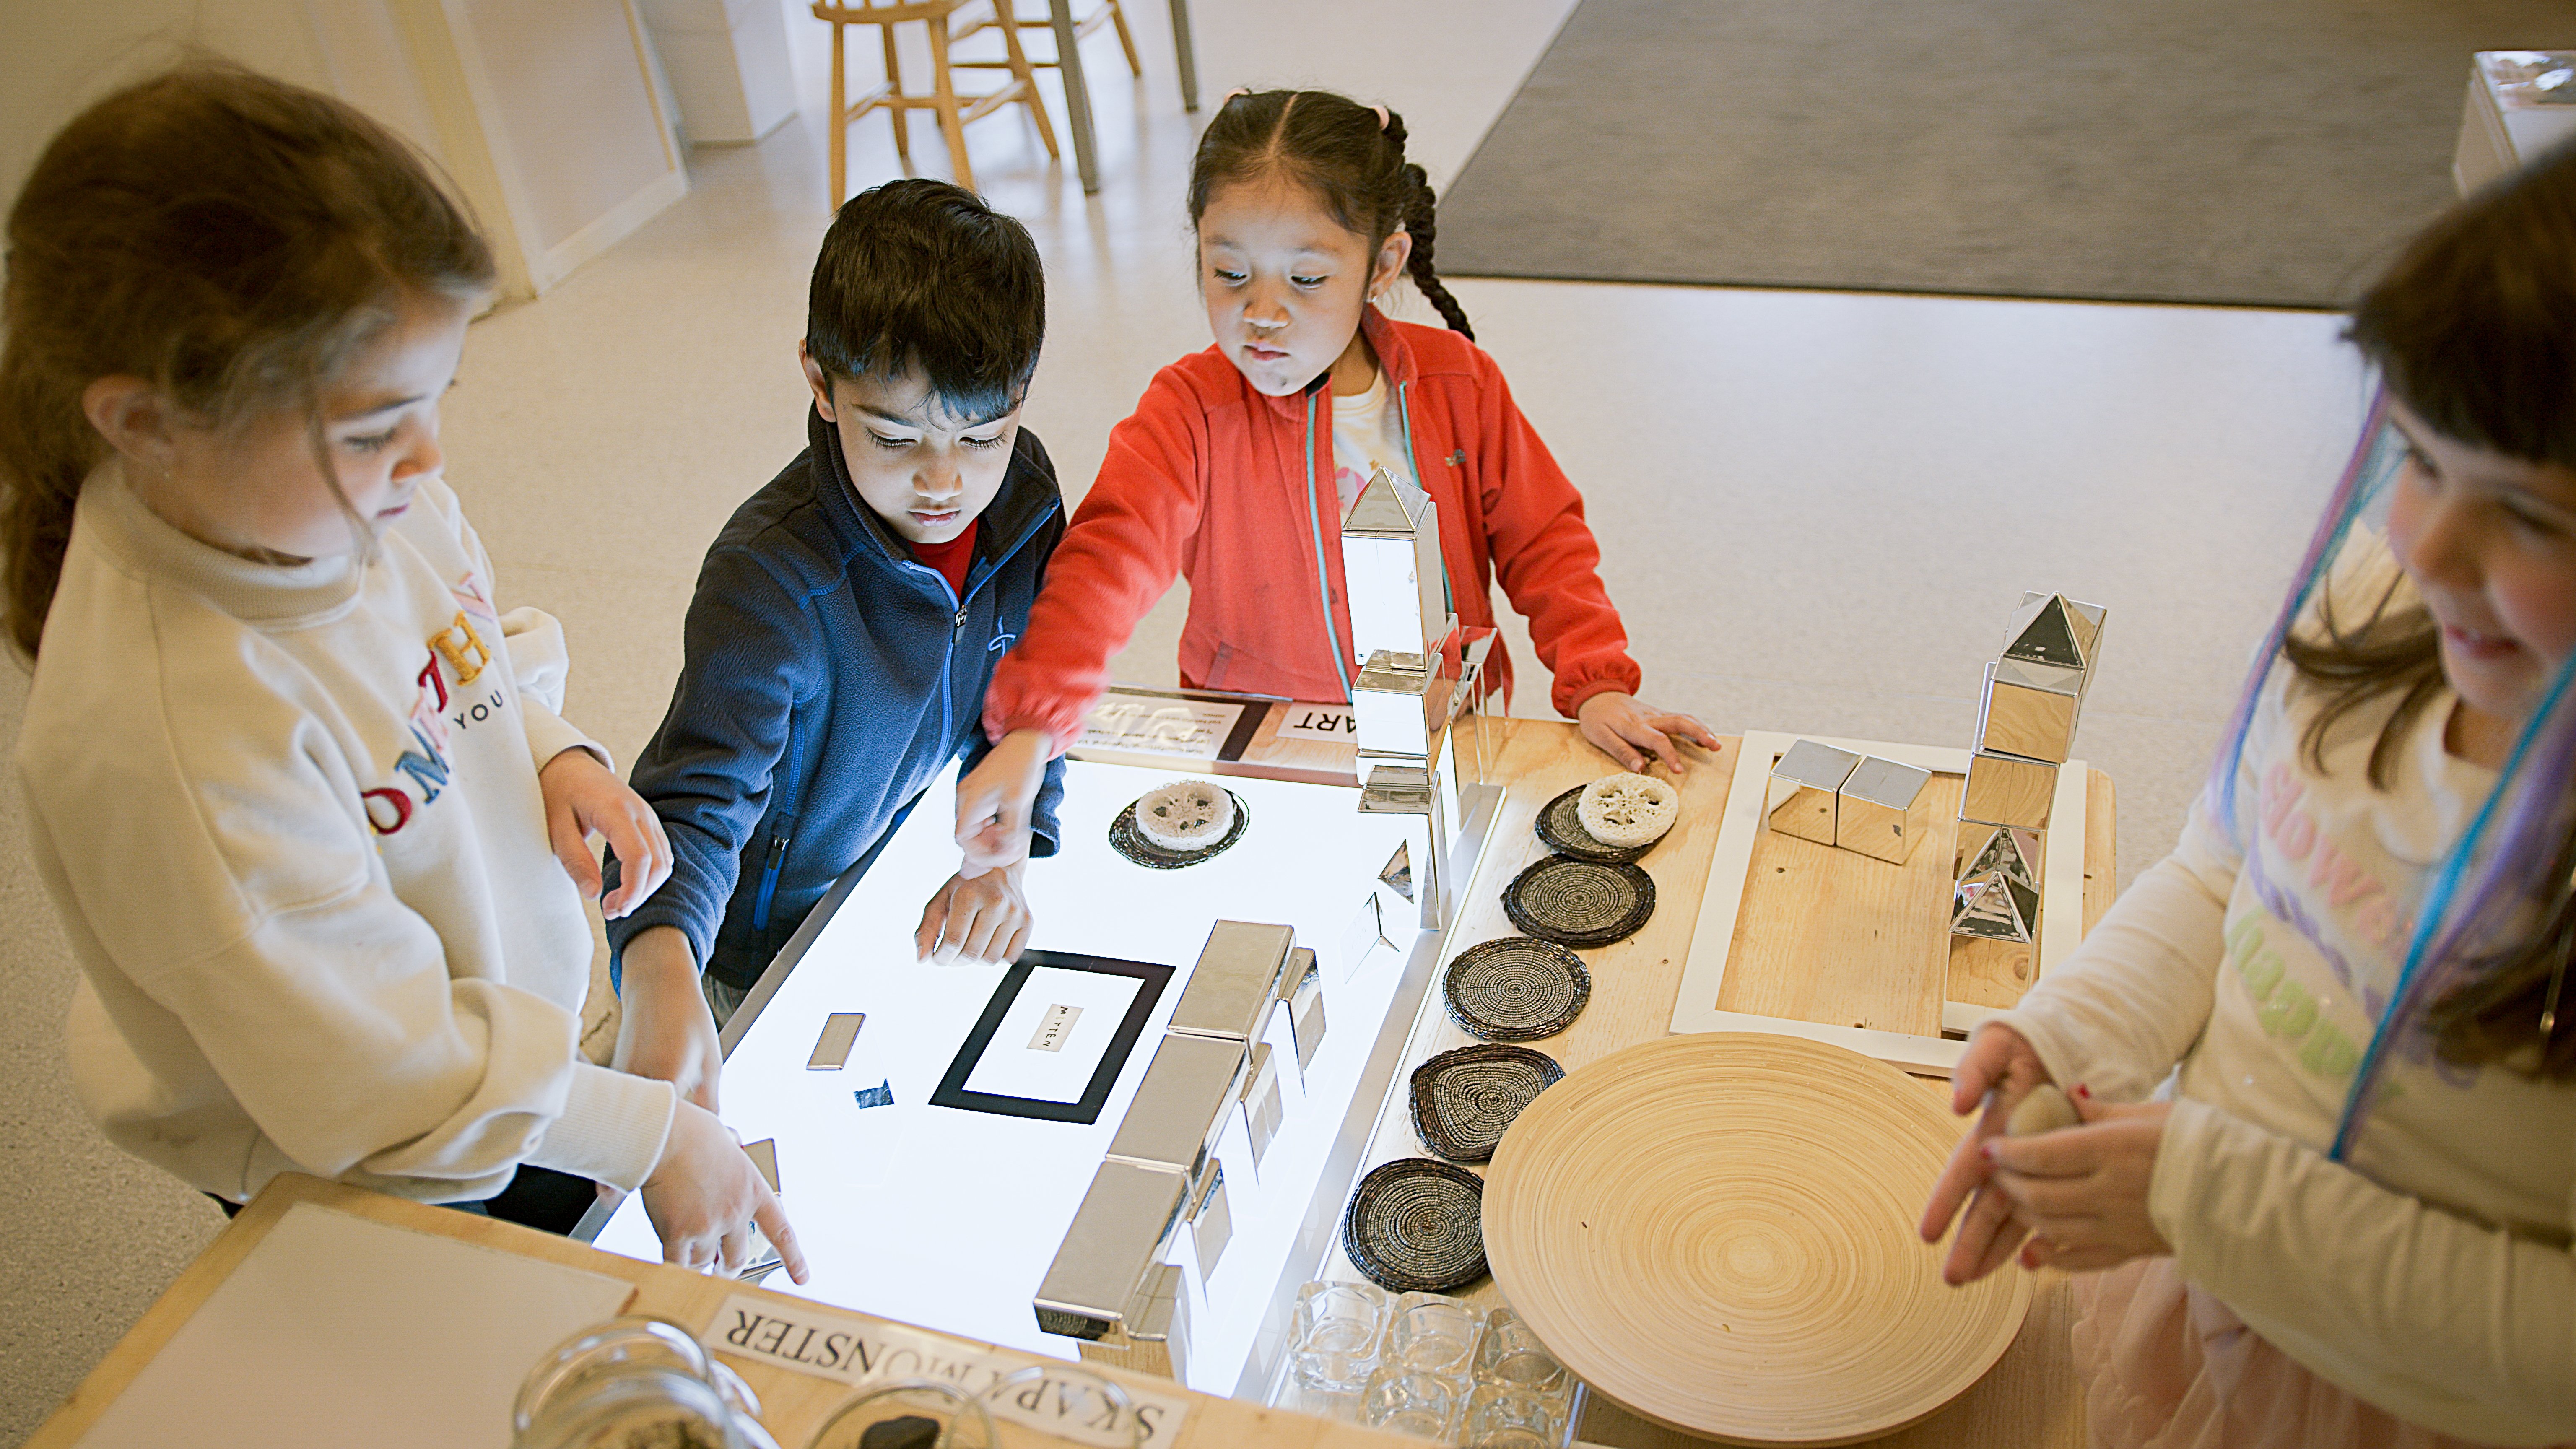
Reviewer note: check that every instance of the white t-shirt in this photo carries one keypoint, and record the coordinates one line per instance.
(1368, 434)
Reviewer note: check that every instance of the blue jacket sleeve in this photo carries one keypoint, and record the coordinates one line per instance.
(748, 659)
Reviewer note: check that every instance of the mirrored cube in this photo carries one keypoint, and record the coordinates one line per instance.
(1995, 907)
(2030, 710)
(1803, 788)
(2008, 790)
(1874, 815)
(1999, 849)
(2054, 629)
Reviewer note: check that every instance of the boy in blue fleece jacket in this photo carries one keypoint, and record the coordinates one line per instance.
(848, 618)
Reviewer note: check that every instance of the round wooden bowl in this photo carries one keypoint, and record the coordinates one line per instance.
(1717, 1231)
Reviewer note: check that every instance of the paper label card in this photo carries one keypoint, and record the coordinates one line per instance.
(1054, 1027)
(1052, 1040)
(1333, 724)
(1062, 1401)
(1159, 722)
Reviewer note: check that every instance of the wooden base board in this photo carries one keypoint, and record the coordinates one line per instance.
(1807, 940)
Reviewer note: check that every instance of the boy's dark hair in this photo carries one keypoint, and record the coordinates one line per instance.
(232, 240)
(1350, 155)
(2473, 328)
(921, 273)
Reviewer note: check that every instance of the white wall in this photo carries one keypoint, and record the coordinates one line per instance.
(545, 112)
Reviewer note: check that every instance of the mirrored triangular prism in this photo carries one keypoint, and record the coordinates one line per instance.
(1995, 907)
(2054, 629)
(2000, 849)
(1399, 870)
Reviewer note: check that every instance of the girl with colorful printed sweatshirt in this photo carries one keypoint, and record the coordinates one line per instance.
(1239, 462)
(296, 783)
(2324, 1053)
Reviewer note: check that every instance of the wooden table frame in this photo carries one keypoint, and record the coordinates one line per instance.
(792, 1404)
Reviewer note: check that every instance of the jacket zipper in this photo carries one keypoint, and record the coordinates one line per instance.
(1323, 575)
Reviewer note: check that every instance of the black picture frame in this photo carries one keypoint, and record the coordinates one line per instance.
(952, 1090)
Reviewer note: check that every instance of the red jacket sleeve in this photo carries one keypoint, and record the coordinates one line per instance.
(1545, 555)
(1117, 559)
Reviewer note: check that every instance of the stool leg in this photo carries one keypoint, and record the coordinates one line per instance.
(1077, 93)
(1027, 80)
(1188, 53)
(944, 97)
(895, 108)
(1126, 39)
(840, 128)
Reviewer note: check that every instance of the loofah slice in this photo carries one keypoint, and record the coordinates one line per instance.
(1625, 811)
(1185, 815)
(1416, 1225)
(1559, 824)
(1128, 838)
(1465, 1099)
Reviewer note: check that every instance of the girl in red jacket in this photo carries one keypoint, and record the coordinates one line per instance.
(1239, 462)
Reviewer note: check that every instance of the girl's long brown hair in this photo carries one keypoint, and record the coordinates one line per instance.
(2474, 330)
(232, 240)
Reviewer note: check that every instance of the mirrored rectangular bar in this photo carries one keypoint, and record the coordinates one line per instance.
(1236, 981)
(1117, 1235)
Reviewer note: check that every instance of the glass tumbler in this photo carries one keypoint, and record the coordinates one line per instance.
(1501, 1418)
(1334, 1335)
(1434, 1335)
(612, 1377)
(908, 1414)
(1423, 1405)
(1513, 1358)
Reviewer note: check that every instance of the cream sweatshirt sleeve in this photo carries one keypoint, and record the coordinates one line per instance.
(274, 947)
(2462, 1328)
(2125, 1005)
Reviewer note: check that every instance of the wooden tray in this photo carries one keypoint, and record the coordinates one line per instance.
(1837, 947)
(1717, 1232)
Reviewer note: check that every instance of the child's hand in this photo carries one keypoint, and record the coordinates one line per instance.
(994, 800)
(584, 799)
(1627, 731)
(1998, 1070)
(2083, 1189)
(704, 1195)
(984, 919)
(665, 1030)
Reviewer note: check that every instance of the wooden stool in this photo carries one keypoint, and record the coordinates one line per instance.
(954, 110)
(1108, 14)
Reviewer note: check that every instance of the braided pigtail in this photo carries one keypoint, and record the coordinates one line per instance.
(1419, 223)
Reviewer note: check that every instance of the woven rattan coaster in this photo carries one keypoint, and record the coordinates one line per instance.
(1130, 842)
(1415, 1225)
(1464, 1100)
(1515, 989)
(1580, 902)
(1560, 828)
